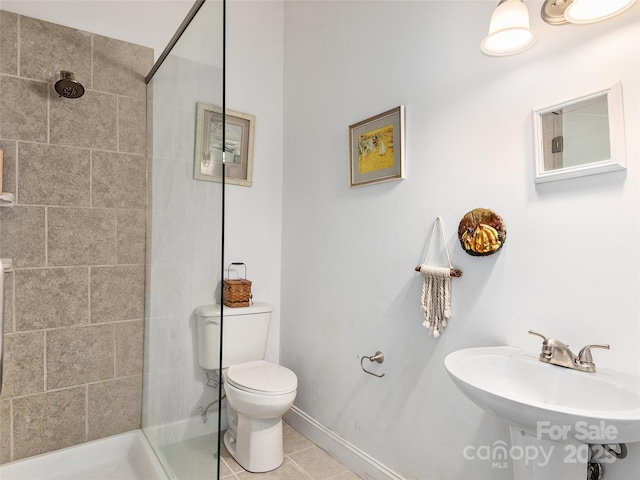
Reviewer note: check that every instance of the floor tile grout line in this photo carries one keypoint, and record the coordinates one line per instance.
(339, 474)
(309, 474)
(301, 450)
(299, 467)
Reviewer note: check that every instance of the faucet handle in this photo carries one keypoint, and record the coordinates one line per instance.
(538, 334)
(585, 354)
(547, 347)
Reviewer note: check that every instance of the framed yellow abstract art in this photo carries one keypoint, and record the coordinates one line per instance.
(376, 148)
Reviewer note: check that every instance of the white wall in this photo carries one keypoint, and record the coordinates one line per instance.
(253, 226)
(570, 265)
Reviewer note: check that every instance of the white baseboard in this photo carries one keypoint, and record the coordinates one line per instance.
(349, 455)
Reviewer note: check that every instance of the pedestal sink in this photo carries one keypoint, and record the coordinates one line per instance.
(548, 404)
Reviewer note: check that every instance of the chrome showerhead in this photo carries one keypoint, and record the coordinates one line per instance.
(67, 86)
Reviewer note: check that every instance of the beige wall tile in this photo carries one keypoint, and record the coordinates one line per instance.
(149, 119)
(5, 431)
(77, 355)
(52, 297)
(51, 175)
(117, 293)
(47, 48)
(8, 302)
(118, 180)
(81, 236)
(8, 43)
(114, 406)
(131, 125)
(23, 364)
(9, 165)
(50, 344)
(48, 421)
(23, 104)
(120, 67)
(129, 348)
(130, 239)
(88, 121)
(22, 235)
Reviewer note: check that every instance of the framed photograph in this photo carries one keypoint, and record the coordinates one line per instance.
(239, 146)
(376, 148)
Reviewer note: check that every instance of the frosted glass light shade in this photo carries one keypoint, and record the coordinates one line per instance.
(509, 31)
(590, 11)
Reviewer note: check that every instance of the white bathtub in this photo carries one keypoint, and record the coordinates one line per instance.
(127, 456)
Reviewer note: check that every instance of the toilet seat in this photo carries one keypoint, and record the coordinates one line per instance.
(262, 377)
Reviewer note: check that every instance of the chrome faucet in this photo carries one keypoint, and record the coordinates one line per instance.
(557, 353)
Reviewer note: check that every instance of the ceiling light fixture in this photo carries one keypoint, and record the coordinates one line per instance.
(509, 31)
(559, 12)
(590, 11)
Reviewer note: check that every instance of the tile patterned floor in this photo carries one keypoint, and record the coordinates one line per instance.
(302, 461)
(195, 459)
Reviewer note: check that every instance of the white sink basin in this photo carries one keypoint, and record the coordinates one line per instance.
(548, 401)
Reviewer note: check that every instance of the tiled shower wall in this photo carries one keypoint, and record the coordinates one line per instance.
(74, 303)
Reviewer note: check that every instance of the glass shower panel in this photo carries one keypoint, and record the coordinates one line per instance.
(184, 252)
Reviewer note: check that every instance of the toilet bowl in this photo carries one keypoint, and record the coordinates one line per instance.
(258, 394)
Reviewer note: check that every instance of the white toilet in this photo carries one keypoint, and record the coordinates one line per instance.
(258, 392)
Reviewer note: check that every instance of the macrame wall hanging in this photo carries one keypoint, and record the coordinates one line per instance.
(435, 300)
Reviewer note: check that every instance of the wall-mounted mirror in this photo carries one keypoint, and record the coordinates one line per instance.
(583, 136)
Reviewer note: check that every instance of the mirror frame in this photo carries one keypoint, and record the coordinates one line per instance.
(617, 160)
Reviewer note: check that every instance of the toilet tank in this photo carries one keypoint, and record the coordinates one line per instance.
(246, 330)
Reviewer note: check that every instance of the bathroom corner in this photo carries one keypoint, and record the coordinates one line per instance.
(74, 302)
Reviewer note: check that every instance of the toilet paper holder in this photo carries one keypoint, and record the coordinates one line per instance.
(377, 357)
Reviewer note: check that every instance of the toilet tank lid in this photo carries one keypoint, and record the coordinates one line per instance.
(209, 311)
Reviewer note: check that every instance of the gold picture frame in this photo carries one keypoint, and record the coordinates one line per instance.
(376, 149)
(239, 146)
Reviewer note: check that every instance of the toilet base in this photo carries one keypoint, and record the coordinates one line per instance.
(255, 443)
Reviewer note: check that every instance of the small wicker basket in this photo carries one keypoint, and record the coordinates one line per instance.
(237, 293)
